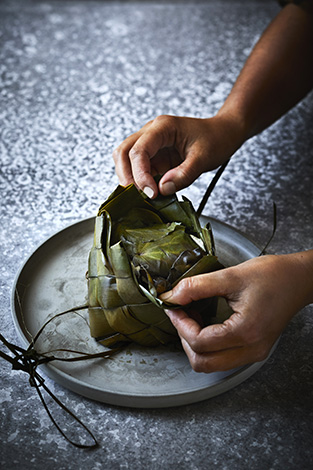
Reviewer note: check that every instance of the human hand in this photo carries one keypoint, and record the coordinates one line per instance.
(264, 294)
(179, 148)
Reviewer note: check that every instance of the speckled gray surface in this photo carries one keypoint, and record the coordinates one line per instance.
(76, 78)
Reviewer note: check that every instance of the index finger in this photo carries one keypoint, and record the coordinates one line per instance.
(121, 156)
(155, 138)
(121, 160)
(215, 337)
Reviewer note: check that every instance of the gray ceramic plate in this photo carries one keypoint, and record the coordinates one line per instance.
(53, 280)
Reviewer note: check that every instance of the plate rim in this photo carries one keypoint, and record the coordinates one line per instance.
(136, 399)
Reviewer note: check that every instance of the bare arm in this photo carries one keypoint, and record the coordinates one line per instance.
(266, 292)
(277, 75)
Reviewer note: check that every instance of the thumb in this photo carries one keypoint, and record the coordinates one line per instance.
(181, 176)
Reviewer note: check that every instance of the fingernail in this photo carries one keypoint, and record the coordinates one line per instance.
(167, 295)
(148, 192)
(168, 312)
(168, 188)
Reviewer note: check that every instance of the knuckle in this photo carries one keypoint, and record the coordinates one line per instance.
(183, 290)
(120, 152)
(202, 365)
(136, 153)
(166, 125)
(196, 363)
(116, 154)
(185, 284)
(133, 153)
(164, 119)
(198, 367)
(195, 346)
(148, 124)
(261, 353)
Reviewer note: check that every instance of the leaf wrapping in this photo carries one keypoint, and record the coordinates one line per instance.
(142, 248)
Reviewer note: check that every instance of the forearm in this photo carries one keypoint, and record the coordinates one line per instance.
(303, 276)
(277, 74)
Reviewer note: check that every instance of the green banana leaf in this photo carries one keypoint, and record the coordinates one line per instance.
(141, 248)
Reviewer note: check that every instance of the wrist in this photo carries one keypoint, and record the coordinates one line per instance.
(294, 273)
(232, 112)
(227, 135)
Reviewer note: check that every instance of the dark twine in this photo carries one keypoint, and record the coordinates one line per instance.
(27, 360)
(211, 186)
(209, 190)
(273, 231)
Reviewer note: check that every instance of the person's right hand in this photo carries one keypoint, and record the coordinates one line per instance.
(179, 148)
(264, 294)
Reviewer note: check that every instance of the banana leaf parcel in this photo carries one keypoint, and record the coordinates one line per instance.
(143, 247)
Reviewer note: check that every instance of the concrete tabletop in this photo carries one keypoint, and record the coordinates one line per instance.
(76, 78)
